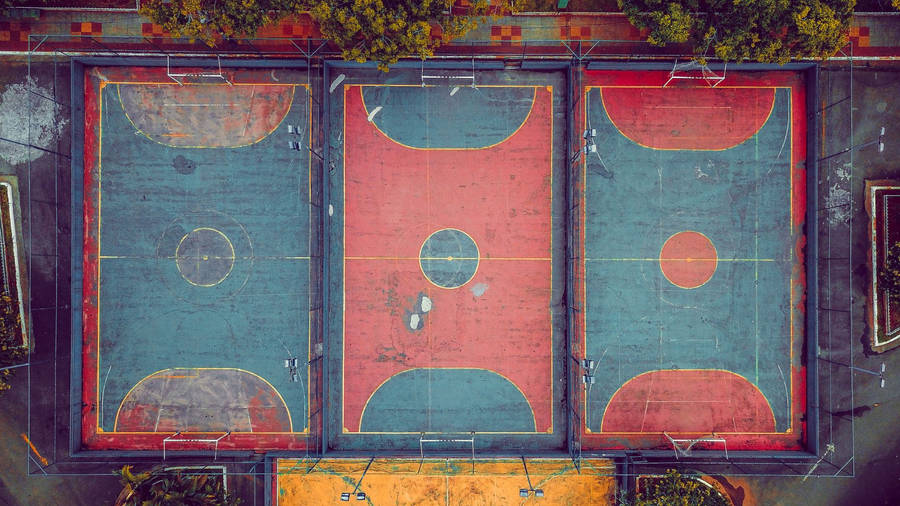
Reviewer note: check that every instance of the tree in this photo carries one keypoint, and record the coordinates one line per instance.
(673, 489)
(889, 274)
(767, 31)
(208, 20)
(11, 350)
(387, 30)
(363, 30)
(161, 488)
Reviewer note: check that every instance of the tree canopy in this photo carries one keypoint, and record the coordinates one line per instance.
(673, 489)
(11, 350)
(162, 488)
(386, 30)
(209, 20)
(767, 31)
(363, 30)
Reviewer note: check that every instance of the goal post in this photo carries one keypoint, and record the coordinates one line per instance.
(446, 441)
(685, 447)
(186, 439)
(694, 70)
(179, 77)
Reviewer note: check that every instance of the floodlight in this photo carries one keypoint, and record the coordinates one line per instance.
(539, 492)
(587, 364)
(360, 496)
(588, 379)
(345, 496)
(334, 84)
(523, 492)
(589, 133)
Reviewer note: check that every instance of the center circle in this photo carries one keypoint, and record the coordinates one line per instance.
(449, 258)
(204, 257)
(688, 259)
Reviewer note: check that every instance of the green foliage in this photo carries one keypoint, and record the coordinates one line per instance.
(889, 274)
(171, 489)
(674, 490)
(208, 20)
(11, 350)
(363, 30)
(573, 6)
(768, 31)
(387, 30)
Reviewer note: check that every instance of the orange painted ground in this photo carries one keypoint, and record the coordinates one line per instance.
(495, 482)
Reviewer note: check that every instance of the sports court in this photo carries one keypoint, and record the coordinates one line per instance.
(196, 259)
(692, 270)
(438, 241)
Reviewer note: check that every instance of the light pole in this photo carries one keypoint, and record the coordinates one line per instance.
(879, 373)
(878, 140)
(525, 492)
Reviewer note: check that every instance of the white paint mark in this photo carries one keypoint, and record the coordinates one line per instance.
(478, 289)
(337, 82)
(838, 204)
(843, 172)
(273, 76)
(454, 90)
(373, 113)
(414, 321)
(425, 305)
(46, 125)
(881, 106)
(330, 210)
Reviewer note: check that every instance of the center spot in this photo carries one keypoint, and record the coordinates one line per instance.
(688, 259)
(449, 258)
(204, 257)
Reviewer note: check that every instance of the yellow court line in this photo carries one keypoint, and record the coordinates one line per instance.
(622, 133)
(157, 375)
(270, 132)
(346, 88)
(204, 84)
(544, 259)
(682, 259)
(511, 382)
(585, 98)
(100, 99)
(610, 401)
(508, 137)
(173, 257)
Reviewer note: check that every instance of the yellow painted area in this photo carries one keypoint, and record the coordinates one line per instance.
(445, 482)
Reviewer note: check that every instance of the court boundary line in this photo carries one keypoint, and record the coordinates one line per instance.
(346, 88)
(791, 217)
(99, 141)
